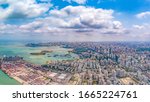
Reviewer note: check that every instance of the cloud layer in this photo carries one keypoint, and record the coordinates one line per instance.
(23, 9)
(143, 15)
(71, 23)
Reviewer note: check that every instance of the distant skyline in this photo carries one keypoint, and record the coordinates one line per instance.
(75, 20)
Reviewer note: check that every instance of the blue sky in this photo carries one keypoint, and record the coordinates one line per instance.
(126, 6)
(75, 20)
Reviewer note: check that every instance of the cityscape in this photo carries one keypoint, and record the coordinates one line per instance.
(74, 42)
(98, 63)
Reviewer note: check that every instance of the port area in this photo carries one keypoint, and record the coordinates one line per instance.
(30, 74)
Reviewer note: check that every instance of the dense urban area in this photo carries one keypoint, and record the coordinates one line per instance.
(99, 63)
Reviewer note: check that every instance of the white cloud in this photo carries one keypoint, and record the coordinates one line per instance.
(77, 1)
(77, 19)
(72, 23)
(143, 15)
(117, 25)
(7, 28)
(84, 17)
(144, 26)
(140, 32)
(138, 26)
(23, 9)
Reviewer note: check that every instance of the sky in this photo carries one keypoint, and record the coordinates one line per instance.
(75, 20)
